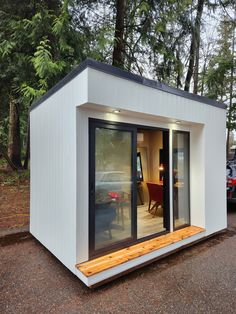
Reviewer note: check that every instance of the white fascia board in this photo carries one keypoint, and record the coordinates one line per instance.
(115, 92)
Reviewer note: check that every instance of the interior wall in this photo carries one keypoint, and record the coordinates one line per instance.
(150, 156)
(155, 140)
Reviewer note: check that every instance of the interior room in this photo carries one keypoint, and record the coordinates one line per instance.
(113, 193)
(150, 166)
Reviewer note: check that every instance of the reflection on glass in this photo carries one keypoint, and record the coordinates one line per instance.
(113, 183)
(181, 179)
(139, 167)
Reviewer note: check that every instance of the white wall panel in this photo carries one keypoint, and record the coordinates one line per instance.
(108, 90)
(197, 176)
(215, 177)
(53, 170)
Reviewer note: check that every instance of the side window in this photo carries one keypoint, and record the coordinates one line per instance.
(181, 201)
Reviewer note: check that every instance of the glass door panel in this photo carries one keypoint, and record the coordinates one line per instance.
(113, 186)
(120, 170)
(152, 182)
(181, 201)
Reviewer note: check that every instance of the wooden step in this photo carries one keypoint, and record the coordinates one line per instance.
(119, 257)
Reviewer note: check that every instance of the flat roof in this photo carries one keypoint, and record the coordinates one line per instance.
(109, 69)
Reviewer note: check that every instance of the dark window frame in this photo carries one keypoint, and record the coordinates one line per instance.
(93, 123)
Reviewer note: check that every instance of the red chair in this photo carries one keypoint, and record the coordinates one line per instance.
(155, 195)
(122, 200)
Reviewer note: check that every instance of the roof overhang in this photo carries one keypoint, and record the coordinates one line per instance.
(109, 69)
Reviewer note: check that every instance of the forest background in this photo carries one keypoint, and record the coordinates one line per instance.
(188, 44)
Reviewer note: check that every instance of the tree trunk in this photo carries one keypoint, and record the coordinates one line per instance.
(119, 47)
(14, 144)
(3, 153)
(194, 50)
(178, 78)
(196, 68)
(197, 34)
(203, 78)
(190, 65)
(27, 152)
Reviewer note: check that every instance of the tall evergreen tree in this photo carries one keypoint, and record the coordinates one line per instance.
(38, 46)
(221, 77)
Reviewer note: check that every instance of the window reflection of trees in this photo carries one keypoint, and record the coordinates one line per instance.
(113, 150)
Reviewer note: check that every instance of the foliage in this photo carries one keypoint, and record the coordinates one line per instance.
(37, 48)
(41, 41)
(12, 177)
(220, 77)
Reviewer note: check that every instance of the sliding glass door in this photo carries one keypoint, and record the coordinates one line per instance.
(111, 186)
(128, 185)
(181, 201)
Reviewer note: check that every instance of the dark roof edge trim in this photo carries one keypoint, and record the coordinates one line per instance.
(109, 69)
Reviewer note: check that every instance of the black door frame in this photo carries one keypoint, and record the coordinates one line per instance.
(93, 123)
(188, 187)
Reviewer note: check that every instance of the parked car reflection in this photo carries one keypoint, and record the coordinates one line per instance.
(231, 181)
(113, 181)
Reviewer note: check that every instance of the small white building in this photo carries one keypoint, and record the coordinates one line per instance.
(124, 170)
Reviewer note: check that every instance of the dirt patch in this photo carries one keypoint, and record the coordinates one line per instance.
(14, 200)
(15, 238)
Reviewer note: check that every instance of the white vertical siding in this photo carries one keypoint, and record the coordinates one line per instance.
(197, 176)
(114, 92)
(82, 221)
(215, 175)
(53, 170)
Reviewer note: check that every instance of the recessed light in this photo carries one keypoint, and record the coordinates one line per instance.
(178, 121)
(116, 111)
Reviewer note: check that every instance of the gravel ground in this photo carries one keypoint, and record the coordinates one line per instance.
(200, 279)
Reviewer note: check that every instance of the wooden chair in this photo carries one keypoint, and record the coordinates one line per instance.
(155, 195)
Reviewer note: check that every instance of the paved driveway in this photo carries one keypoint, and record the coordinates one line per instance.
(201, 279)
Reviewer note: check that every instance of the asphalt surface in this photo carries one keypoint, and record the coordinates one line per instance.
(200, 279)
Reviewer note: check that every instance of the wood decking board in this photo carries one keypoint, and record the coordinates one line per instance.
(108, 261)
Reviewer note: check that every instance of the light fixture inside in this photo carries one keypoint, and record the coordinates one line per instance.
(140, 137)
(116, 111)
(178, 121)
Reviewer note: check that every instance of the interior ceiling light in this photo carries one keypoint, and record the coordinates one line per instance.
(116, 111)
(140, 137)
(178, 121)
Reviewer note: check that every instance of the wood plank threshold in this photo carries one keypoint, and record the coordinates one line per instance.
(119, 257)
